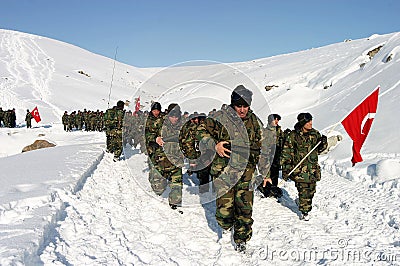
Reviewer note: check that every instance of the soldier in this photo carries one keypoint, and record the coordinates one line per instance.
(13, 118)
(79, 120)
(71, 121)
(169, 161)
(153, 127)
(85, 116)
(190, 148)
(65, 121)
(185, 117)
(203, 174)
(113, 120)
(187, 138)
(298, 144)
(28, 119)
(275, 137)
(237, 132)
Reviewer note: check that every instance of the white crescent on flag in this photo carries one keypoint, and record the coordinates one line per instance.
(366, 117)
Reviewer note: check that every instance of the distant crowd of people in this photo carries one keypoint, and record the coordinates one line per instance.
(8, 118)
(87, 120)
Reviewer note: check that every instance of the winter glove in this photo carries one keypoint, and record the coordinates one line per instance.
(323, 139)
(324, 143)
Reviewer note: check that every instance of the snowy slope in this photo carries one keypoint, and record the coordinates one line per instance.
(71, 205)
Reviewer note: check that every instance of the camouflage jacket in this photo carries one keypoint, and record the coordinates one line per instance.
(295, 148)
(113, 119)
(188, 141)
(244, 136)
(171, 148)
(152, 131)
(65, 119)
(28, 117)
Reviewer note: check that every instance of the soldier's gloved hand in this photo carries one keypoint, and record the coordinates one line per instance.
(324, 140)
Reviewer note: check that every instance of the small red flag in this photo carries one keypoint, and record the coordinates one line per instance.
(36, 115)
(358, 123)
(137, 105)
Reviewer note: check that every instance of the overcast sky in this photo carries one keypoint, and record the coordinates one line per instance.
(151, 33)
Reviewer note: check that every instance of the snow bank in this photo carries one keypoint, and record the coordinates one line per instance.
(30, 203)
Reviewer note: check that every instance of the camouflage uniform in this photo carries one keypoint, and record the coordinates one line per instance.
(152, 131)
(167, 161)
(71, 122)
(190, 148)
(65, 121)
(79, 120)
(170, 163)
(113, 120)
(28, 119)
(232, 177)
(12, 117)
(297, 144)
(86, 119)
(273, 138)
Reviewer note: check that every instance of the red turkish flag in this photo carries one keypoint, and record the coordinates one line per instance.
(137, 105)
(358, 123)
(36, 115)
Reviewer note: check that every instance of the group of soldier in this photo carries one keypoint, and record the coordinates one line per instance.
(8, 118)
(87, 120)
(226, 149)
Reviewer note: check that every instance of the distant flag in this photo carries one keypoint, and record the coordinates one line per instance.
(36, 115)
(358, 123)
(137, 105)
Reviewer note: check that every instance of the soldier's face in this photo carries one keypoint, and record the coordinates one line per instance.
(173, 119)
(308, 126)
(156, 112)
(242, 110)
(274, 122)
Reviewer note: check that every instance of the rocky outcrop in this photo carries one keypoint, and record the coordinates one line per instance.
(38, 144)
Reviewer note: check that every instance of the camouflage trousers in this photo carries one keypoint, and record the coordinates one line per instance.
(114, 142)
(235, 205)
(157, 182)
(160, 178)
(306, 193)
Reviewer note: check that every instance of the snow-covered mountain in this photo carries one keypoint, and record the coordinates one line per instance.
(72, 205)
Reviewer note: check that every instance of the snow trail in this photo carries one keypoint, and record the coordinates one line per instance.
(114, 220)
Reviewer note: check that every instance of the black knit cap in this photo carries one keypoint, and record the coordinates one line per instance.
(304, 118)
(120, 104)
(241, 96)
(156, 106)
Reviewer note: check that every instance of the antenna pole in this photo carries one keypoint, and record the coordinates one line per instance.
(112, 77)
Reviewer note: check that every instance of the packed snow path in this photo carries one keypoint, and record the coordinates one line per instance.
(116, 220)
